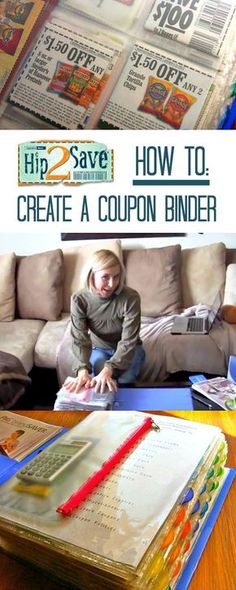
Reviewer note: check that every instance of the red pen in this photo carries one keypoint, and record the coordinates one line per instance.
(88, 486)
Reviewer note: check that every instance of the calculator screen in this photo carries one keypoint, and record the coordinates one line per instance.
(67, 449)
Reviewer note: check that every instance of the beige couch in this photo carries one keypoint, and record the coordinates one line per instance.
(35, 296)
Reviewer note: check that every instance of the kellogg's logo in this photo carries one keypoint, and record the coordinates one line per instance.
(69, 162)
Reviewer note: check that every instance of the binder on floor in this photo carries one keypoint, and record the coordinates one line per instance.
(115, 539)
(158, 398)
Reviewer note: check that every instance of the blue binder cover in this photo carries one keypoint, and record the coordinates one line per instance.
(8, 467)
(195, 556)
(231, 375)
(156, 398)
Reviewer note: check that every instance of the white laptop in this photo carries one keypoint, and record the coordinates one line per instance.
(194, 324)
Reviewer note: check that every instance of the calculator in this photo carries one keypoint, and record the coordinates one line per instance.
(50, 463)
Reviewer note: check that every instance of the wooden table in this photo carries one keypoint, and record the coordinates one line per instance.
(216, 570)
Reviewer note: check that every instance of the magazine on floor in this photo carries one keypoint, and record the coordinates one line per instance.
(19, 435)
(220, 390)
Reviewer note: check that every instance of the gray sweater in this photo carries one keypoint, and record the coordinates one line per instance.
(109, 323)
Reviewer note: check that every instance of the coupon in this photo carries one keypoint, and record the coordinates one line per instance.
(117, 13)
(203, 24)
(157, 90)
(62, 75)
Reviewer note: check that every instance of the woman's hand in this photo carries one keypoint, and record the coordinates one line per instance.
(75, 384)
(104, 381)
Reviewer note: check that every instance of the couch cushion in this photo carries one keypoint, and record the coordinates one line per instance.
(40, 285)
(7, 287)
(45, 354)
(230, 285)
(203, 274)
(155, 274)
(74, 261)
(19, 338)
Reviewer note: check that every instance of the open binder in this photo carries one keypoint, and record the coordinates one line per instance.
(140, 526)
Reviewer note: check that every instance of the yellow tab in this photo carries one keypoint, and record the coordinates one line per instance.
(155, 567)
(32, 488)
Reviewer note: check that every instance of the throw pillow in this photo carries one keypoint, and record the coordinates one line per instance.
(40, 285)
(203, 274)
(228, 310)
(74, 261)
(228, 313)
(155, 274)
(7, 287)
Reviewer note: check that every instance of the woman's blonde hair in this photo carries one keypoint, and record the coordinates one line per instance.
(100, 260)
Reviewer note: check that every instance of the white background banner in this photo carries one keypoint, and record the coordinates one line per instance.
(163, 182)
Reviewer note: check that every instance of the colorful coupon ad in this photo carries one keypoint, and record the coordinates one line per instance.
(18, 24)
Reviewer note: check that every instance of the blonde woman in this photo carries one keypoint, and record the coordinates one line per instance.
(105, 324)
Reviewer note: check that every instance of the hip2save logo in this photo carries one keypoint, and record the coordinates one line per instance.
(69, 162)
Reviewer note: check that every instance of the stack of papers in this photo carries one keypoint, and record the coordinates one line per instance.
(119, 537)
(86, 399)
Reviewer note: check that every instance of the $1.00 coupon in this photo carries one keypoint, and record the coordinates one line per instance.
(203, 24)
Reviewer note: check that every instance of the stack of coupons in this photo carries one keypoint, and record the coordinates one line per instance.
(117, 537)
(85, 399)
(128, 64)
(180, 66)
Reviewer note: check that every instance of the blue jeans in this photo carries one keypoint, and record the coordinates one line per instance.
(100, 355)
